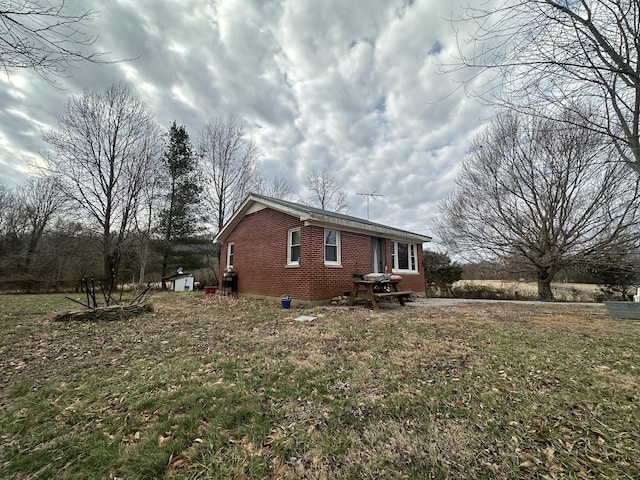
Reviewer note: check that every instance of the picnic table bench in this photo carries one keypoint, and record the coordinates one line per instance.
(374, 290)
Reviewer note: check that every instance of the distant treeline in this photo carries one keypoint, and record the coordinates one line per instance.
(516, 271)
(68, 253)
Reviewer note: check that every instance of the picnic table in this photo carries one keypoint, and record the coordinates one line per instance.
(374, 290)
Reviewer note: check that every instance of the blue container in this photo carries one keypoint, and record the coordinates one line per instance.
(285, 301)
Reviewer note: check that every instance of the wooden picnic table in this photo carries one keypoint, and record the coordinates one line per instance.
(374, 290)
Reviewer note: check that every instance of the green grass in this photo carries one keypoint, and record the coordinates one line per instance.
(214, 387)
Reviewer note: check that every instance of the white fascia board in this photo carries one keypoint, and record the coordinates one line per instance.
(294, 212)
(234, 221)
(364, 228)
(251, 205)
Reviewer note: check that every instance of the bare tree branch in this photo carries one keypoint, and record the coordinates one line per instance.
(46, 37)
(275, 187)
(229, 163)
(548, 56)
(40, 200)
(104, 155)
(546, 194)
(325, 192)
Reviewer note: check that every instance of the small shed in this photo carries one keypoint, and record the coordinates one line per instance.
(181, 282)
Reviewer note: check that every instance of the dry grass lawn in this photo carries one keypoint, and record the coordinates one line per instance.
(215, 387)
(563, 292)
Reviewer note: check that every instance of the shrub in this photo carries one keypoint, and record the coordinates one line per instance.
(440, 273)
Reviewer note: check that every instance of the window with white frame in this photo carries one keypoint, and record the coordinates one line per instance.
(230, 254)
(405, 257)
(331, 247)
(293, 247)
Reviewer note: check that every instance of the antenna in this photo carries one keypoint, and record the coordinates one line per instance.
(369, 195)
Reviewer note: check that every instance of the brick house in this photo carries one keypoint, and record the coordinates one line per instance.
(277, 247)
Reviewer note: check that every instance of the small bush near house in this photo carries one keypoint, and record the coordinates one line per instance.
(440, 273)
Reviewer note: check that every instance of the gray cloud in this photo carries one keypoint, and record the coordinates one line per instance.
(349, 86)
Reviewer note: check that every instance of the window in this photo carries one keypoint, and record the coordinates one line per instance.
(405, 257)
(230, 255)
(331, 247)
(293, 244)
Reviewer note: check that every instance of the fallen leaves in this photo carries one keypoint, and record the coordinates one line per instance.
(130, 440)
(164, 440)
(176, 463)
(183, 459)
(510, 396)
(273, 445)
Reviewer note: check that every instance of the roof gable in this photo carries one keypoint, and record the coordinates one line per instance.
(316, 216)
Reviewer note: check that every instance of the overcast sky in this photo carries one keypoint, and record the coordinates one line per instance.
(353, 86)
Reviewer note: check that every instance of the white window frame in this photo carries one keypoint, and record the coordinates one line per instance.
(293, 262)
(338, 261)
(412, 251)
(230, 253)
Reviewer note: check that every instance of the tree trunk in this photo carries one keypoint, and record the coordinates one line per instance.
(31, 251)
(164, 270)
(144, 255)
(545, 277)
(111, 267)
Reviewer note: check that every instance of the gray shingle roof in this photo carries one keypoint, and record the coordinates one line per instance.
(319, 216)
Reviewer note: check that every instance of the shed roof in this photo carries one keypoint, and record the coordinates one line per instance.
(176, 275)
(317, 216)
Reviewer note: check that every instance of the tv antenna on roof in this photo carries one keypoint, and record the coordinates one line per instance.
(369, 195)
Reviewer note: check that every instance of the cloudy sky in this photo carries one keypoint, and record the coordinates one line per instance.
(353, 86)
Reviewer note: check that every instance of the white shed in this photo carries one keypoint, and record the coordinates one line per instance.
(182, 283)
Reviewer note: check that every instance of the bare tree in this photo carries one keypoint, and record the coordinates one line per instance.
(147, 222)
(103, 156)
(547, 195)
(274, 187)
(44, 36)
(9, 227)
(324, 192)
(39, 200)
(562, 54)
(229, 164)
(7, 206)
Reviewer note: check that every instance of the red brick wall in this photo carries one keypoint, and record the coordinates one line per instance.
(260, 259)
(330, 281)
(260, 254)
